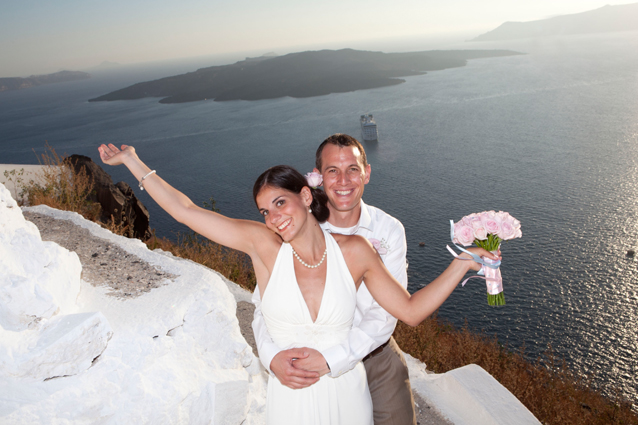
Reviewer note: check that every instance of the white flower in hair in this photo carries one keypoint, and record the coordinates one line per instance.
(314, 179)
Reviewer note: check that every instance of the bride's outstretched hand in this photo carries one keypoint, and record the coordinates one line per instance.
(481, 253)
(111, 155)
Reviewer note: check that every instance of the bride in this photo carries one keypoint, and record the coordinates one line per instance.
(308, 279)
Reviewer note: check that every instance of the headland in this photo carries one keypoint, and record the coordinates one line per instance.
(298, 75)
(16, 83)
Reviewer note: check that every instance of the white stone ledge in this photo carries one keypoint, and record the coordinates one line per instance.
(66, 346)
(469, 396)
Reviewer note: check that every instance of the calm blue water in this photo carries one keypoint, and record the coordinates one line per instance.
(551, 137)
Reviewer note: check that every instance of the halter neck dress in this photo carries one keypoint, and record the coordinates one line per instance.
(342, 400)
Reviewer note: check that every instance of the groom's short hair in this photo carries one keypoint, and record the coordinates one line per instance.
(341, 140)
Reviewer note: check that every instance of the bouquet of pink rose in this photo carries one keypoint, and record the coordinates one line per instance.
(487, 230)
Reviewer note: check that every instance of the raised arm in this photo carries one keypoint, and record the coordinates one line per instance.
(365, 264)
(243, 235)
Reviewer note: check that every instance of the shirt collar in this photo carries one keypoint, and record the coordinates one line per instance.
(365, 222)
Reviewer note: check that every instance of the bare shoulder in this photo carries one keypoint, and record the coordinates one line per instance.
(263, 241)
(255, 226)
(265, 237)
(359, 254)
(266, 245)
(354, 244)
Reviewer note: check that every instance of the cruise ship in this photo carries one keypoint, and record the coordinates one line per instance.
(368, 127)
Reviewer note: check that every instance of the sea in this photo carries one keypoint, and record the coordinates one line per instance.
(550, 136)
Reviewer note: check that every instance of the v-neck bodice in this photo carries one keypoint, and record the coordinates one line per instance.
(285, 310)
(341, 400)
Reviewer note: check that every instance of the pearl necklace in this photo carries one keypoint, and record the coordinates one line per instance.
(306, 264)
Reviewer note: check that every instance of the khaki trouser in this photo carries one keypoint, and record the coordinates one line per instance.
(389, 384)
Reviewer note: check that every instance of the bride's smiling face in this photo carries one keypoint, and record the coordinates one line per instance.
(284, 212)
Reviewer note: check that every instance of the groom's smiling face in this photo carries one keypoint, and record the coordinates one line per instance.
(344, 176)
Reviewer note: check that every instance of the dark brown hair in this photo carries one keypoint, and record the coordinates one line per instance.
(286, 177)
(341, 140)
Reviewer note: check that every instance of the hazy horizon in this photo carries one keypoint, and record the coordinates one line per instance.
(40, 38)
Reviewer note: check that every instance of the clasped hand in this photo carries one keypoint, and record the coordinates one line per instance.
(299, 368)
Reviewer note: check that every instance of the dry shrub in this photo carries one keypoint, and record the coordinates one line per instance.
(15, 177)
(234, 265)
(547, 387)
(65, 189)
(62, 187)
(120, 226)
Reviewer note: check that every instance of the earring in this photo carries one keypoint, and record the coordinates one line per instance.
(310, 210)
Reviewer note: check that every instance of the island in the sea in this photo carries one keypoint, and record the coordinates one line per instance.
(16, 83)
(605, 19)
(304, 74)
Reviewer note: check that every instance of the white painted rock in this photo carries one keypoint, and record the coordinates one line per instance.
(219, 401)
(38, 279)
(65, 346)
(175, 354)
(469, 396)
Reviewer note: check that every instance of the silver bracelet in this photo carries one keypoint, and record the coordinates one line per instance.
(141, 181)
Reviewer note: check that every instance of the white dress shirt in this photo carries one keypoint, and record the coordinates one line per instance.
(372, 325)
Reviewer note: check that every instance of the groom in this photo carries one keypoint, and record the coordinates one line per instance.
(342, 162)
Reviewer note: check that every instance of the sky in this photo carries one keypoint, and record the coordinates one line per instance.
(38, 37)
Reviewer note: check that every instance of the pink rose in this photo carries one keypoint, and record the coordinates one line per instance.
(515, 223)
(492, 225)
(377, 245)
(502, 216)
(463, 235)
(470, 220)
(487, 214)
(480, 233)
(507, 231)
(314, 179)
(476, 224)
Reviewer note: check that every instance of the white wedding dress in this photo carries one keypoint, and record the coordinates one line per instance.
(343, 400)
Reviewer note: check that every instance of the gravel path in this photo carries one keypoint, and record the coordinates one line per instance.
(106, 264)
(103, 263)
